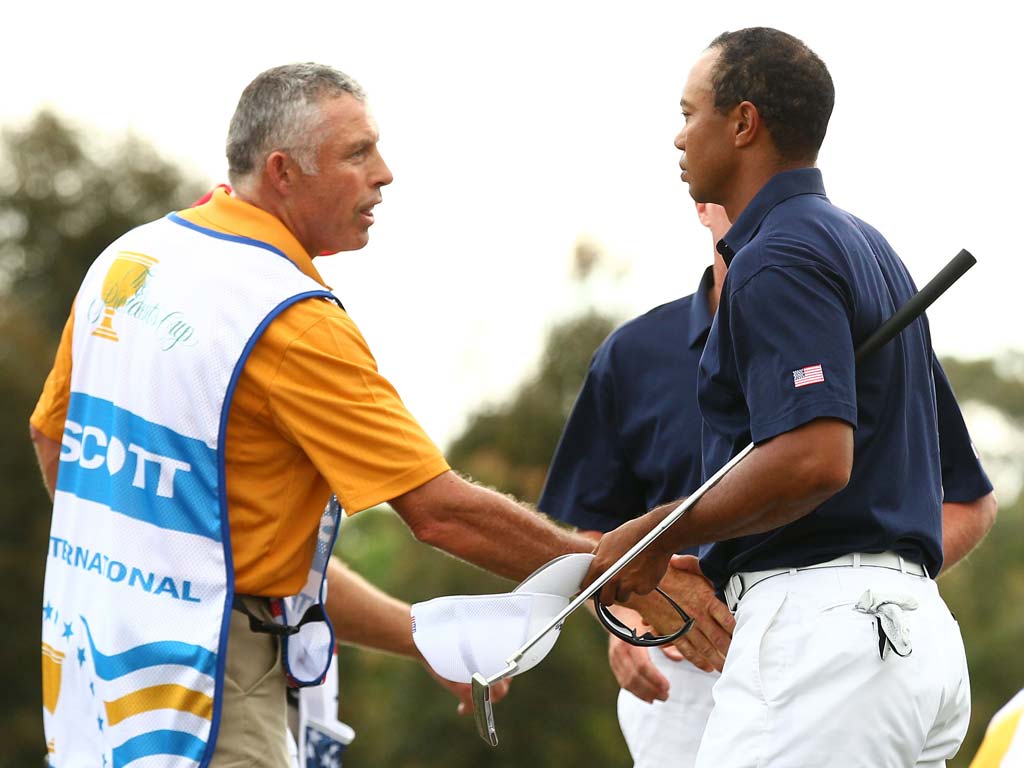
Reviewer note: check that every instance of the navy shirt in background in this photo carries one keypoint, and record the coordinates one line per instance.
(806, 284)
(963, 477)
(632, 441)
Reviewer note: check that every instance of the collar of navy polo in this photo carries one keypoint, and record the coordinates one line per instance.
(780, 187)
(700, 315)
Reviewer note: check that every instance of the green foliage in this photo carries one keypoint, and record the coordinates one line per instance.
(60, 205)
(985, 591)
(985, 594)
(997, 383)
(25, 353)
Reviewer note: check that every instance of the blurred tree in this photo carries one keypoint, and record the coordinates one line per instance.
(61, 202)
(999, 383)
(986, 591)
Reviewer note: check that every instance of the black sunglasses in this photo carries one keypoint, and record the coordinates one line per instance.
(646, 640)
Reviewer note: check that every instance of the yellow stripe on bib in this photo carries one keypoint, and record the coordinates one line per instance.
(159, 697)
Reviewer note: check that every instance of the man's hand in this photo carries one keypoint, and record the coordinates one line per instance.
(632, 666)
(642, 574)
(464, 691)
(707, 643)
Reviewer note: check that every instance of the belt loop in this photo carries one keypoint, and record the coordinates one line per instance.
(903, 566)
(856, 559)
(733, 592)
(792, 571)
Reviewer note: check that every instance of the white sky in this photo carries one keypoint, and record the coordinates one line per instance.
(513, 130)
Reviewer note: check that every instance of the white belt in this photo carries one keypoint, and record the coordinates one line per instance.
(741, 583)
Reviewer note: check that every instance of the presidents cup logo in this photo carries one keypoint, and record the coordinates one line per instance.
(124, 293)
(125, 278)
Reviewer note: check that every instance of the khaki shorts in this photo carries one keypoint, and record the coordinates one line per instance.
(253, 719)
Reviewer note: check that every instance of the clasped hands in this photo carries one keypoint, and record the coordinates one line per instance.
(705, 645)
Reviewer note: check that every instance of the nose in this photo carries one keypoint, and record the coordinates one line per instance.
(680, 141)
(384, 175)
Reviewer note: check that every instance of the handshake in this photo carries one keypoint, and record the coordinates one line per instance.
(474, 638)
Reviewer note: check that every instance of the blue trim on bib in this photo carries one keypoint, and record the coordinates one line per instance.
(229, 564)
(158, 743)
(231, 238)
(113, 666)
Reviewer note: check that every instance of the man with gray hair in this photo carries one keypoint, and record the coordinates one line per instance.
(208, 395)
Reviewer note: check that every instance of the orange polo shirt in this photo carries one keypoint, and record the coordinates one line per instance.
(310, 414)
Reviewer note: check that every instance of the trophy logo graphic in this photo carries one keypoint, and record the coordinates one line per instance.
(125, 278)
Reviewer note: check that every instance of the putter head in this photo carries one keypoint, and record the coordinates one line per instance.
(483, 713)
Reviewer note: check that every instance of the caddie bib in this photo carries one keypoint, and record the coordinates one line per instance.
(139, 578)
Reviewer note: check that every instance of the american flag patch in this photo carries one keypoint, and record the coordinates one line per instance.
(809, 374)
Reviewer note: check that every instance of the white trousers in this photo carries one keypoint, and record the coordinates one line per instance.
(804, 685)
(666, 734)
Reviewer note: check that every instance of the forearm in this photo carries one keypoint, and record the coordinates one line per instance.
(780, 481)
(484, 527)
(964, 525)
(363, 615)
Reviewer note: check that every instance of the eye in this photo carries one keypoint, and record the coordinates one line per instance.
(360, 153)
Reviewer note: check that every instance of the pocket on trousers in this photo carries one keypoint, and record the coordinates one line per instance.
(804, 643)
(247, 680)
(251, 657)
(253, 708)
(773, 656)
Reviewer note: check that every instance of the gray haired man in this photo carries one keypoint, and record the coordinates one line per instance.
(208, 461)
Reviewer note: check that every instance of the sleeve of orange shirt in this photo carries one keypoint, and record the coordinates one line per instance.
(329, 399)
(52, 407)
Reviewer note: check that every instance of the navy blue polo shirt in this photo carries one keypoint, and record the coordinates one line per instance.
(632, 441)
(807, 283)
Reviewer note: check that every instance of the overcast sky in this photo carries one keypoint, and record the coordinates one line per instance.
(515, 129)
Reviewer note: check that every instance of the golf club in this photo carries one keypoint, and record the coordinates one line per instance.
(483, 712)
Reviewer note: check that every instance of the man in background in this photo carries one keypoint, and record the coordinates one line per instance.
(631, 443)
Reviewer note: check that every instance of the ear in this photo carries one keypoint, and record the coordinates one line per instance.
(281, 171)
(748, 123)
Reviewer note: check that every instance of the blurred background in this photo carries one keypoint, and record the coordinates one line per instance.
(536, 205)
